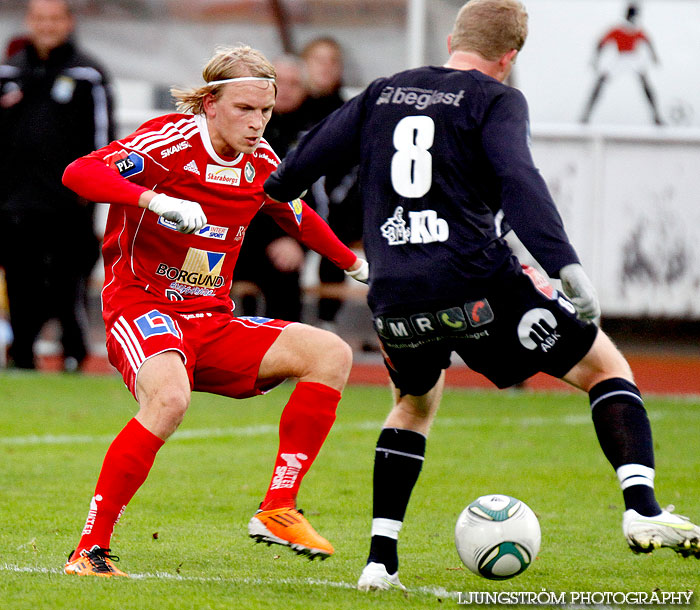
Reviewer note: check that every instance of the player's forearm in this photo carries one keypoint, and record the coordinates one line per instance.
(548, 244)
(145, 198)
(310, 229)
(530, 211)
(92, 179)
(356, 266)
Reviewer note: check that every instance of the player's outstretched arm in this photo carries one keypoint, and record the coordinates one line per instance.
(91, 178)
(305, 225)
(579, 288)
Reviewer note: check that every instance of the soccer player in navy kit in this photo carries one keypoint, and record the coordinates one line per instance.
(444, 166)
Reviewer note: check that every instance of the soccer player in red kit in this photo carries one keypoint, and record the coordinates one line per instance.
(183, 189)
(634, 53)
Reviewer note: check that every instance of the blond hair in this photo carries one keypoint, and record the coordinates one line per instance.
(490, 28)
(227, 62)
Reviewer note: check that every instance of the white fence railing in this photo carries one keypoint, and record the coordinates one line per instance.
(630, 199)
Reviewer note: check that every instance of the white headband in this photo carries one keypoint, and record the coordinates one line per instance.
(239, 79)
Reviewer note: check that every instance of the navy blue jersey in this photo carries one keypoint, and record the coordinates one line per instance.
(441, 153)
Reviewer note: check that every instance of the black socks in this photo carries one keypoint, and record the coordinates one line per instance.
(624, 434)
(397, 464)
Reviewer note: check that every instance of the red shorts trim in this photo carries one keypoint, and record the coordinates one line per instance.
(222, 353)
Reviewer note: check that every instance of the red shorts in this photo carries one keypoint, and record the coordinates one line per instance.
(222, 353)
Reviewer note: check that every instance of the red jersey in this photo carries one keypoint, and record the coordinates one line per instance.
(145, 257)
(625, 39)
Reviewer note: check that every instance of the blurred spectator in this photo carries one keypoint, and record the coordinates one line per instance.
(323, 71)
(324, 66)
(628, 49)
(55, 105)
(270, 261)
(290, 117)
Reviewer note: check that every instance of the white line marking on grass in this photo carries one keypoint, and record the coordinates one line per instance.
(81, 439)
(314, 582)
(6, 567)
(53, 439)
(268, 429)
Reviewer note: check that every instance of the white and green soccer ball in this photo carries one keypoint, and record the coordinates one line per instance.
(497, 536)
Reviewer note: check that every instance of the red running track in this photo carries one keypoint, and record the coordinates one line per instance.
(658, 374)
(654, 373)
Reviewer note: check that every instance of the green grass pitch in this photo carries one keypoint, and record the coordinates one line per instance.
(184, 538)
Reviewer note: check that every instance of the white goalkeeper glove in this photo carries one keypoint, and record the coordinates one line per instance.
(187, 215)
(361, 274)
(581, 291)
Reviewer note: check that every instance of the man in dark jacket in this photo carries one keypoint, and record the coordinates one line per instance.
(55, 105)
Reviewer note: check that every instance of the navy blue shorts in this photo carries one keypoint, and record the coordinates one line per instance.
(518, 327)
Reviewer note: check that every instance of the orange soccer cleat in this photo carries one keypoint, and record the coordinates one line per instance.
(289, 527)
(94, 562)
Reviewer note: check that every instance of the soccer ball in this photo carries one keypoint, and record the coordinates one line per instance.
(497, 536)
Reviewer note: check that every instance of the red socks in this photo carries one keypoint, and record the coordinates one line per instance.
(304, 426)
(125, 468)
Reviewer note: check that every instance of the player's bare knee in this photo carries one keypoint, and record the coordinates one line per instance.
(337, 355)
(332, 359)
(408, 414)
(603, 361)
(608, 358)
(413, 412)
(166, 406)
